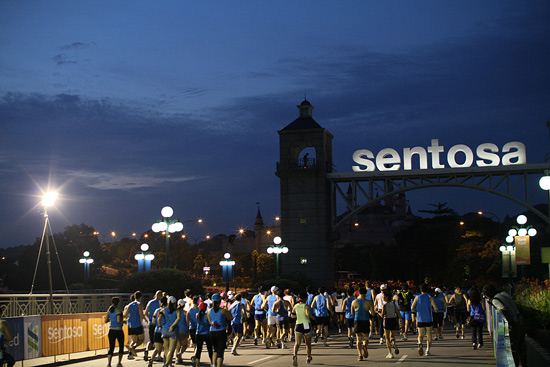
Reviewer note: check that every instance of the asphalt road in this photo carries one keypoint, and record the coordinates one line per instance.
(448, 352)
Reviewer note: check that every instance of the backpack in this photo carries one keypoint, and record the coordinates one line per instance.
(403, 298)
(479, 315)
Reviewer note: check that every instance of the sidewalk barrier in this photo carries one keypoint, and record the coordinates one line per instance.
(498, 327)
(52, 335)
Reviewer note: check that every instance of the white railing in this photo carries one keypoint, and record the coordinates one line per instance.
(13, 305)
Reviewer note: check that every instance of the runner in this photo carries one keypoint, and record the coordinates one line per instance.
(259, 316)
(461, 313)
(339, 311)
(116, 334)
(438, 316)
(202, 336)
(169, 317)
(477, 311)
(302, 313)
(371, 296)
(133, 312)
(391, 317)
(157, 337)
(269, 301)
(405, 300)
(362, 309)
(321, 306)
(151, 307)
(378, 307)
(183, 331)
(280, 308)
(217, 318)
(192, 320)
(292, 322)
(348, 314)
(422, 305)
(238, 312)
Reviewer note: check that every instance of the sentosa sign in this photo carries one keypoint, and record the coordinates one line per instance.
(436, 157)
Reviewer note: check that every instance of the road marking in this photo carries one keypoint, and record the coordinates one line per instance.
(259, 360)
(401, 359)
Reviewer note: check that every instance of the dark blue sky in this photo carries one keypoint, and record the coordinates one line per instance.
(129, 106)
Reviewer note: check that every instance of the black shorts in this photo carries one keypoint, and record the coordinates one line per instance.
(283, 324)
(135, 330)
(391, 324)
(424, 324)
(259, 316)
(323, 320)
(152, 332)
(438, 319)
(350, 323)
(193, 335)
(461, 317)
(361, 326)
(157, 338)
(301, 330)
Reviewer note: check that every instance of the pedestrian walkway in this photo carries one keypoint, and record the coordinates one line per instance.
(449, 351)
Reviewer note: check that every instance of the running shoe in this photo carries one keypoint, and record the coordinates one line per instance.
(131, 356)
(146, 355)
(326, 344)
(389, 356)
(381, 340)
(295, 361)
(441, 337)
(428, 353)
(479, 346)
(420, 350)
(316, 338)
(255, 341)
(350, 342)
(462, 337)
(360, 358)
(308, 360)
(365, 351)
(396, 350)
(234, 352)
(474, 346)
(404, 337)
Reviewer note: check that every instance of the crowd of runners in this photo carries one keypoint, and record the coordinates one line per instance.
(273, 318)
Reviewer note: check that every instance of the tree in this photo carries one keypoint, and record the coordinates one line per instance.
(441, 209)
(265, 265)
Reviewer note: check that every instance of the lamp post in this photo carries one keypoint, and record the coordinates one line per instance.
(227, 269)
(519, 241)
(144, 258)
(277, 249)
(168, 226)
(544, 184)
(86, 260)
(508, 261)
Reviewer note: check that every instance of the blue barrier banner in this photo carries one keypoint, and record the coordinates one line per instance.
(32, 334)
(16, 346)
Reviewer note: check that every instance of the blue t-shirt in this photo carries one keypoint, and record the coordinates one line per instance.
(168, 318)
(439, 303)
(217, 320)
(134, 320)
(193, 318)
(182, 325)
(271, 299)
(113, 318)
(424, 308)
(349, 301)
(320, 306)
(236, 312)
(258, 300)
(361, 314)
(203, 326)
(152, 307)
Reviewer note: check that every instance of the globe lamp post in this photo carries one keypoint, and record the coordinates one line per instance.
(168, 226)
(227, 268)
(86, 260)
(144, 258)
(277, 249)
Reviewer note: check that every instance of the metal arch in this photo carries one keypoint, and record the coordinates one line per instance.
(504, 181)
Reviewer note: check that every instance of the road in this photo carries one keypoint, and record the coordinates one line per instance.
(445, 353)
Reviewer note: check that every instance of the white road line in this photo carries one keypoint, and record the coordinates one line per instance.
(401, 359)
(259, 360)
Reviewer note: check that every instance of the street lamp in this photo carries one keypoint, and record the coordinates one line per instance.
(277, 249)
(544, 184)
(168, 226)
(144, 258)
(227, 268)
(86, 260)
(509, 266)
(519, 244)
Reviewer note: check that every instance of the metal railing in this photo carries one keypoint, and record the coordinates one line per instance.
(13, 305)
(500, 335)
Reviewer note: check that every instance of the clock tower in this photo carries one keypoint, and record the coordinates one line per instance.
(305, 160)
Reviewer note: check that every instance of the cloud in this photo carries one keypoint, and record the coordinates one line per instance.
(122, 181)
(77, 46)
(62, 59)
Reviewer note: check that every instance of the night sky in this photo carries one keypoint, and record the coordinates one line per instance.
(127, 106)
